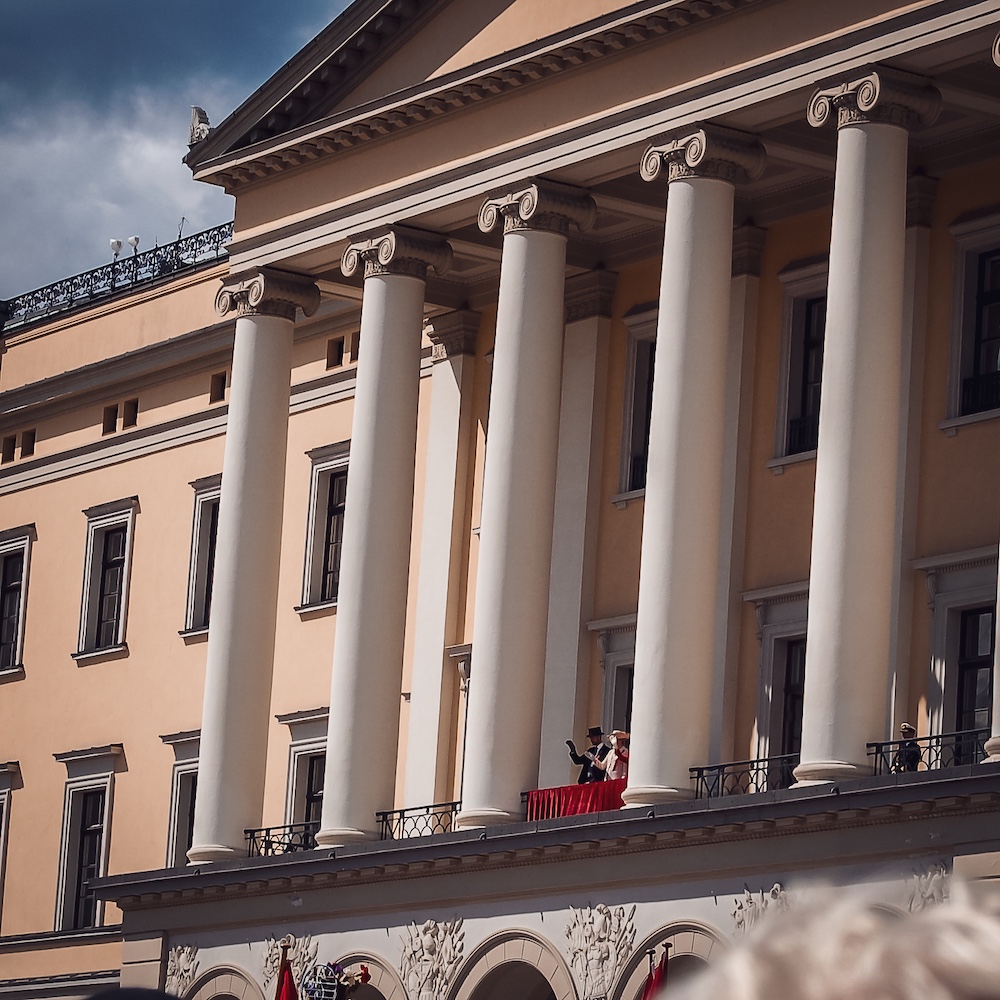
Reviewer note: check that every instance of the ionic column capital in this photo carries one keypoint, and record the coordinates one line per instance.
(544, 205)
(267, 292)
(453, 333)
(705, 151)
(877, 94)
(397, 250)
(996, 50)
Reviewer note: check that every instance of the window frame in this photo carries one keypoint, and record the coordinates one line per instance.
(101, 520)
(10, 779)
(802, 282)
(641, 323)
(15, 540)
(974, 235)
(183, 788)
(616, 643)
(308, 737)
(201, 563)
(327, 462)
(87, 770)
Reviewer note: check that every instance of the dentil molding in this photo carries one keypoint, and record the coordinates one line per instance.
(267, 292)
(397, 250)
(540, 204)
(877, 94)
(708, 151)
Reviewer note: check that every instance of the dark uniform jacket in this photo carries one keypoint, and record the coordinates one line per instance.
(589, 771)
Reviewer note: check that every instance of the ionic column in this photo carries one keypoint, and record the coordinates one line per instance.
(434, 676)
(505, 698)
(675, 629)
(244, 593)
(375, 557)
(851, 574)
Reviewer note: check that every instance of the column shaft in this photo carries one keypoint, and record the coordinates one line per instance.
(848, 675)
(241, 634)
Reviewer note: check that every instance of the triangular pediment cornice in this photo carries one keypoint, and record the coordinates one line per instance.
(483, 81)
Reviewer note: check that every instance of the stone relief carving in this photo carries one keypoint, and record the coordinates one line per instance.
(182, 967)
(750, 909)
(928, 887)
(301, 957)
(600, 941)
(431, 954)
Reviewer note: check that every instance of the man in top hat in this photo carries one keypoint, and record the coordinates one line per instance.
(908, 754)
(589, 759)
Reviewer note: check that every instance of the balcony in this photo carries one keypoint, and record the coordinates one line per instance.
(929, 753)
(421, 821)
(271, 841)
(744, 777)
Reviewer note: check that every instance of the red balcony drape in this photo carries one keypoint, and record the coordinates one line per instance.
(572, 800)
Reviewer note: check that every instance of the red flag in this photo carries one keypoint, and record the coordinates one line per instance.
(286, 984)
(656, 981)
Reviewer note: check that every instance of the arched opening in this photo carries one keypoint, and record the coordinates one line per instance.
(692, 948)
(514, 979)
(681, 968)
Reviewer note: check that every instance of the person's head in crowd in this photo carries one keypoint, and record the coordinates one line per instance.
(839, 945)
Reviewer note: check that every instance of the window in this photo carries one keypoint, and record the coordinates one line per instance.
(27, 443)
(335, 352)
(201, 572)
(86, 817)
(306, 764)
(10, 779)
(641, 323)
(975, 669)
(217, 389)
(312, 791)
(803, 331)
(15, 548)
(106, 575)
(183, 789)
(616, 641)
(130, 413)
(975, 351)
(109, 423)
(325, 525)
(7, 448)
(792, 696)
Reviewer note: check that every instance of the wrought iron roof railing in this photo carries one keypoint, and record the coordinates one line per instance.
(117, 278)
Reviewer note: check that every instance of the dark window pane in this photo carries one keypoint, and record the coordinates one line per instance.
(333, 536)
(213, 532)
(792, 695)
(10, 607)
(109, 601)
(90, 835)
(975, 670)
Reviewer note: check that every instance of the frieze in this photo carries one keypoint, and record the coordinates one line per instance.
(750, 909)
(302, 953)
(182, 967)
(599, 941)
(431, 955)
(928, 887)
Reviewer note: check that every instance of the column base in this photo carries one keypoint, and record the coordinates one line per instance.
(992, 748)
(470, 819)
(637, 796)
(341, 836)
(201, 853)
(825, 772)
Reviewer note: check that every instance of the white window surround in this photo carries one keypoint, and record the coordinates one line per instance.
(99, 520)
(206, 495)
(616, 641)
(326, 461)
(955, 582)
(308, 732)
(186, 748)
(782, 614)
(641, 323)
(974, 233)
(86, 770)
(10, 778)
(11, 541)
(801, 280)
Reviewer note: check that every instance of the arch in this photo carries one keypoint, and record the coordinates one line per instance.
(224, 982)
(385, 979)
(514, 946)
(687, 939)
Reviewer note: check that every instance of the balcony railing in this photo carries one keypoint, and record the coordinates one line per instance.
(929, 753)
(116, 278)
(803, 433)
(422, 821)
(273, 840)
(981, 392)
(743, 777)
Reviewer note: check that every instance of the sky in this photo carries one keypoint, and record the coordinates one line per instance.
(95, 104)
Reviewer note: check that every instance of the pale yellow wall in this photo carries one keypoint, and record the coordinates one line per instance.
(59, 960)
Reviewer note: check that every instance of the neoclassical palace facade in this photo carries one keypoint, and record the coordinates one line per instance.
(566, 364)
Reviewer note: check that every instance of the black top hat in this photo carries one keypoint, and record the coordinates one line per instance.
(595, 731)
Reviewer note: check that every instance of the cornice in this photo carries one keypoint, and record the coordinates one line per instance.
(530, 64)
(877, 94)
(600, 838)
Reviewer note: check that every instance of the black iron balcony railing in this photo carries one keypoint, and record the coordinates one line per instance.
(422, 821)
(803, 433)
(744, 777)
(981, 392)
(116, 278)
(929, 753)
(273, 840)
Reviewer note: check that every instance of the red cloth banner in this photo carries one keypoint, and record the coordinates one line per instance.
(286, 984)
(573, 800)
